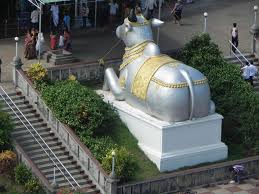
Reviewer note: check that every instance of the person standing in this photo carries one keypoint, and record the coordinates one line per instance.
(55, 14)
(67, 40)
(177, 12)
(246, 72)
(113, 12)
(84, 14)
(66, 21)
(35, 19)
(150, 4)
(234, 35)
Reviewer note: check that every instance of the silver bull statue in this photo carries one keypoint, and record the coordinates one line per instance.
(153, 82)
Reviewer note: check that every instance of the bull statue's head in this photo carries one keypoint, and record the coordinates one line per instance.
(137, 28)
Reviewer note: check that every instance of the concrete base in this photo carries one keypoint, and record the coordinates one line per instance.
(173, 145)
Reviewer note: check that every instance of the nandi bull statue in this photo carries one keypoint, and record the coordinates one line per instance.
(153, 82)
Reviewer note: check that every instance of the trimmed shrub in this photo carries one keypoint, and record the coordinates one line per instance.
(7, 161)
(99, 146)
(22, 174)
(33, 186)
(36, 72)
(125, 164)
(234, 98)
(79, 107)
(6, 127)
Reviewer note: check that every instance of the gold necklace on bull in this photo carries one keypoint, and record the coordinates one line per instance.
(132, 53)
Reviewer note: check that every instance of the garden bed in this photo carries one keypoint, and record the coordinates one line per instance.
(10, 186)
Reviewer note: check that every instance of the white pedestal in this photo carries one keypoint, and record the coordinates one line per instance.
(173, 145)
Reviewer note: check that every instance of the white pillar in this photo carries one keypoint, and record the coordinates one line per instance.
(113, 174)
(16, 46)
(205, 22)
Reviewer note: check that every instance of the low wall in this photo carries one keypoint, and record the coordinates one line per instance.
(89, 71)
(84, 71)
(78, 150)
(196, 177)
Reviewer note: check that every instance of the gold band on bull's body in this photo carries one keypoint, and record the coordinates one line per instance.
(146, 72)
(132, 53)
(178, 85)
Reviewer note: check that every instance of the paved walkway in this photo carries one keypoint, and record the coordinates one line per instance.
(250, 186)
(91, 45)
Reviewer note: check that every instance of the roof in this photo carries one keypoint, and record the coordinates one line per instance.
(52, 1)
(38, 2)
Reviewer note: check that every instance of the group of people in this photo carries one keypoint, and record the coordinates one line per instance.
(33, 43)
(176, 11)
(61, 40)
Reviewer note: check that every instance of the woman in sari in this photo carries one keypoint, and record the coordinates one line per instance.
(30, 49)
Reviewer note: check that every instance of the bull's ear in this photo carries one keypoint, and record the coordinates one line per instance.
(128, 28)
(156, 22)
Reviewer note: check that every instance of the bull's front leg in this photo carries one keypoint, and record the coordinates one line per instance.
(111, 82)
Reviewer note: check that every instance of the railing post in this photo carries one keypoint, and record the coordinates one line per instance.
(254, 31)
(54, 183)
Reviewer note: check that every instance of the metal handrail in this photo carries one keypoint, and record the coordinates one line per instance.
(48, 154)
(239, 53)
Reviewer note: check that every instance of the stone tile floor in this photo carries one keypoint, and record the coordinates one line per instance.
(250, 186)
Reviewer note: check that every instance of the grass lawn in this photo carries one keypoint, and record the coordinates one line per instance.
(146, 169)
(10, 186)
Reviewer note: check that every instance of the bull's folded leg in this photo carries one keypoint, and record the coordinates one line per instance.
(111, 82)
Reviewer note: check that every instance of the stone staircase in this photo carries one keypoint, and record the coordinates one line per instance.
(249, 57)
(34, 151)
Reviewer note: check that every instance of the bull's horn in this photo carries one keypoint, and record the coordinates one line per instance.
(132, 16)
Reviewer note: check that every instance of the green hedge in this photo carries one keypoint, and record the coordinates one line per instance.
(92, 119)
(6, 127)
(79, 107)
(234, 98)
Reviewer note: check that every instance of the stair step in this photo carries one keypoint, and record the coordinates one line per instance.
(89, 190)
(35, 125)
(41, 153)
(43, 132)
(21, 107)
(63, 159)
(27, 115)
(86, 186)
(65, 163)
(25, 111)
(29, 148)
(80, 179)
(49, 142)
(17, 101)
(29, 136)
(74, 171)
(18, 121)
(23, 130)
